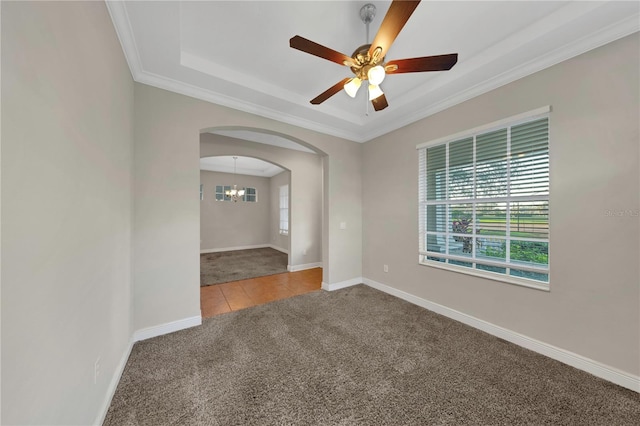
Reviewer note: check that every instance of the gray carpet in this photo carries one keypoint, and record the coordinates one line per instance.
(226, 266)
(354, 357)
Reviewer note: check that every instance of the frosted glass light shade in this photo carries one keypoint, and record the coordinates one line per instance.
(235, 192)
(376, 75)
(374, 92)
(352, 87)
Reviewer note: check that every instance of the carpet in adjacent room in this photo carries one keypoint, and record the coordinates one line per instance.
(227, 266)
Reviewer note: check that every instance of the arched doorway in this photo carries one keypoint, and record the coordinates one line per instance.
(301, 173)
(166, 218)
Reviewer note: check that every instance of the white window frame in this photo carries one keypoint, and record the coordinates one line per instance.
(247, 198)
(422, 257)
(220, 193)
(284, 210)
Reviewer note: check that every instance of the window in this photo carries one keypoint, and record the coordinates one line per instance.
(484, 201)
(250, 195)
(221, 193)
(284, 210)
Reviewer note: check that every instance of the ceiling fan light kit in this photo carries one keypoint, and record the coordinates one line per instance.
(352, 86)
(374, 92)
(376, 75)
(367, 62)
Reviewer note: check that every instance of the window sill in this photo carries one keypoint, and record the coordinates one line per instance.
(488, 275)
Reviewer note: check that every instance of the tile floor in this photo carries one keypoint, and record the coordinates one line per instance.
(222, 298)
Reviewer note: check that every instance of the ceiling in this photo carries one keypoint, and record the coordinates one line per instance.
(245, 166)
(265, 138)
(237, 54)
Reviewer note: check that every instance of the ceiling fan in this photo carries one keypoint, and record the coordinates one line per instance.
(367, 62)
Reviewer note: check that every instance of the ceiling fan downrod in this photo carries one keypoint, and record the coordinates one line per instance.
(368, 61)
(367, 64)
(367, 13)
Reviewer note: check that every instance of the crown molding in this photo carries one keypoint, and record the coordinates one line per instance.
(182, 88)
(118, 12)
(122, 24)
(364, 132)
(613, 32)
(241, 79)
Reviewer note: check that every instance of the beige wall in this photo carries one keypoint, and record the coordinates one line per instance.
(166, 210)
(305, 225)
(228, 225)
(593, 306)
(70, 168)
(282, 241)
(67, 137)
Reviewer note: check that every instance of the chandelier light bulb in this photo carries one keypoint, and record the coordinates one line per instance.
(352, 87)
(374, 92)
(376, 75)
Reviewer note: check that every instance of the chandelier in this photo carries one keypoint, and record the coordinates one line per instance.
(235, 194)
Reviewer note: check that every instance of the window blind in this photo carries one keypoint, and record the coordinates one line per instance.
(484, 202)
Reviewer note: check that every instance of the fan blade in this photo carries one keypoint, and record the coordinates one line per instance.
(329, 92)
(319, 50)
(426, 63)
(397, 15)
(380, 103)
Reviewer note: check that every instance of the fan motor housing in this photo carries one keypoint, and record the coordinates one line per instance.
(362, 58)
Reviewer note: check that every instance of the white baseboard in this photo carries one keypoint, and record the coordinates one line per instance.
(303, 266)
(113, 385)
(285, 251)
(170, 327)
(256, 246)
(145, 333)
(342, 284)
(580, 362)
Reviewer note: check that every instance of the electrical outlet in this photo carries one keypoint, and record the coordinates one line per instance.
(96, 370)
(385, 268)
(304, 252)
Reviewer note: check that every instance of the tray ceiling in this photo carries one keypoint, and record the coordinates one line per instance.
(241, 166)
(237, 54)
